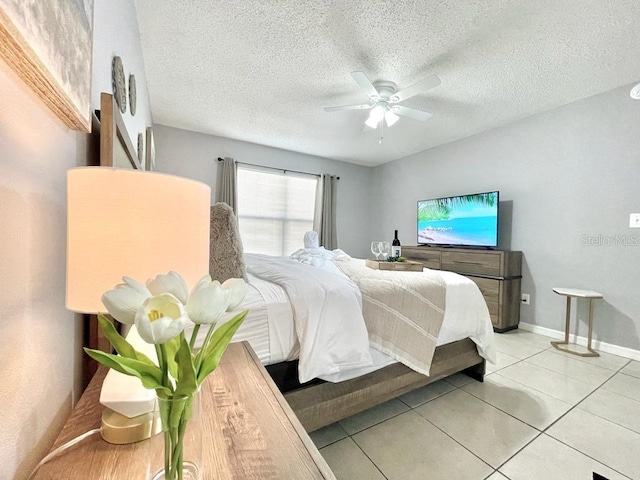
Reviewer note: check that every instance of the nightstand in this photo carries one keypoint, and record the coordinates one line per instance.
(249, 431)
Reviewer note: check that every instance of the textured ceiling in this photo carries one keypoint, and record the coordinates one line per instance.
(262, 71)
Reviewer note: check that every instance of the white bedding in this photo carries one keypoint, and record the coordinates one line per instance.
(327, 314)
(269, 325)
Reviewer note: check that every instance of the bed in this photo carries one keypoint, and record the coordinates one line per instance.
(322, 395)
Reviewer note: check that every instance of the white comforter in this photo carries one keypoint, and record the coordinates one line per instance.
(327, 312)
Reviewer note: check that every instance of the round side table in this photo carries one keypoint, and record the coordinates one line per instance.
(577, 293)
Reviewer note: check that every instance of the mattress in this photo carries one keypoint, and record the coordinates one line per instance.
(269, 325)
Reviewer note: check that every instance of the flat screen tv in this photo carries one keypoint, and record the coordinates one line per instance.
(462, 220)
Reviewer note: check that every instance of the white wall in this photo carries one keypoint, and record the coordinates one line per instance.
(116, 33)
(563, 174)
(194, 155)
(41, 341)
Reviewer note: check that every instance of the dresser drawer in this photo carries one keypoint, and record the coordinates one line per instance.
(497, 274)
(490, 289)
(429, 258)
(469, 262)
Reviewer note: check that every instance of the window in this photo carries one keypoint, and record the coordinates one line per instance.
(275, 209)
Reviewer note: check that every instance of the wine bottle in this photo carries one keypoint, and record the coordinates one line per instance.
(396, 250)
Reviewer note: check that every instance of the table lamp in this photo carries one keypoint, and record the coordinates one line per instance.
(138, 224)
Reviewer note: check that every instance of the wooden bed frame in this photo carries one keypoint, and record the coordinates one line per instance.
(318, 404)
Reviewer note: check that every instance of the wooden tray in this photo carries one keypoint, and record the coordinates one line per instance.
(406, 266)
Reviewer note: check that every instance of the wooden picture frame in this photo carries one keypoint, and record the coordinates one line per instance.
(116, 147)
(150, 151)
(49, 45)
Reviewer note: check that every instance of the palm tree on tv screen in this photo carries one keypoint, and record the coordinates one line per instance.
(440, 209)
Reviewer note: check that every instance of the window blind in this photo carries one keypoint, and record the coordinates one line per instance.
(275, 209)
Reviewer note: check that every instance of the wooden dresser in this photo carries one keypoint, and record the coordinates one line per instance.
(249, 431)
(496, 272)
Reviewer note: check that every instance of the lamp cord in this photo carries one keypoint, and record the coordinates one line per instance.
(62, 448)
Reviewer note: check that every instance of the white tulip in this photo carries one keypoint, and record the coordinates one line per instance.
(207, 301)
(237, 288)
(171, 283)
(124, 299)
(160, 318)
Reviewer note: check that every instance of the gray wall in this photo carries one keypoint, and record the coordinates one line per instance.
(567, 173)
(193, 155)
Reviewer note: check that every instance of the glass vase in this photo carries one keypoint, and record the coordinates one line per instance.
(176, 452)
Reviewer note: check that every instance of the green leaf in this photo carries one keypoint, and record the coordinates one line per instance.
(172, 347)
(123, 347)
(179, 407)
(186, 384)
(149, 375)
(215, 348)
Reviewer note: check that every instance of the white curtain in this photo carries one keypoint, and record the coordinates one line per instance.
(227, 188)
(325, 215)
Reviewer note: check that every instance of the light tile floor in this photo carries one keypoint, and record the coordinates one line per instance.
(540, 414)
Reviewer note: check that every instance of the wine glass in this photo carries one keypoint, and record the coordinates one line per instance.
(375, 249)
(385, 250)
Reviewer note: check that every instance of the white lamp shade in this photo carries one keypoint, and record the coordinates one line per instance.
(132, 223)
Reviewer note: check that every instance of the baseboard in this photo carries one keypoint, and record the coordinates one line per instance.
(597, 344)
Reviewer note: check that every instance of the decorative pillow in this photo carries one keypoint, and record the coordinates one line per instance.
(225, 258)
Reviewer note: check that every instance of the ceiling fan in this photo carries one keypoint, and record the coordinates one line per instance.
(384, 99)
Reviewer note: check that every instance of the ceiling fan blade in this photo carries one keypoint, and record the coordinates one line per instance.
(410, 112)
(415, 89)
(366, 84)
(365, 106)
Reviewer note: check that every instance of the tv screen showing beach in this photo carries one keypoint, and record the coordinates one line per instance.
(462, 220)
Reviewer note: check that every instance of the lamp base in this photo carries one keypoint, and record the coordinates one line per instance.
(120, 430)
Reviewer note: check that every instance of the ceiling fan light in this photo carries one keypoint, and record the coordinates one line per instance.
(391, 118)
(377, 114)
(635, 92)
(371, 123)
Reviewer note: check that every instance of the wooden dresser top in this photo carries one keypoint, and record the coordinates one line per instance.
(249, 431)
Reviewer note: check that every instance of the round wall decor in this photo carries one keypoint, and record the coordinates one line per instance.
(118, 82)
(132, 94)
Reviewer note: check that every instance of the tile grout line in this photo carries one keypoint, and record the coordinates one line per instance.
(368, 457)
(349, 435)
(538, 431)
(512, 415)
(559, 399)
(545, 431)
(582, 400)
(588, 456)
(445, 433)
(577, 405)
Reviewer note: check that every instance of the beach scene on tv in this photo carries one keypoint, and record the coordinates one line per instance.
(462, 220)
